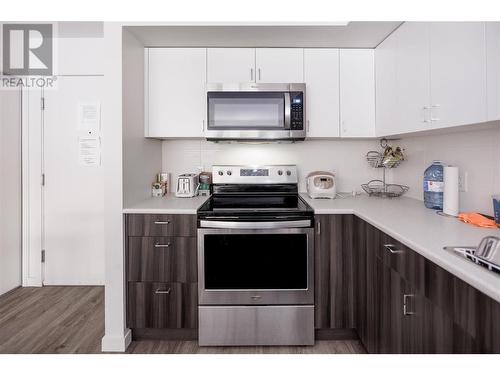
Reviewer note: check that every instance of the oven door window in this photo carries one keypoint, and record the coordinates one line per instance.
(246, 110)
(255, 261)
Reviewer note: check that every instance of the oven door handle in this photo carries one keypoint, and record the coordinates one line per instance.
(254, 224)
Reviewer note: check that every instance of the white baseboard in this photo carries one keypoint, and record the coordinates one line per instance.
(118, 343)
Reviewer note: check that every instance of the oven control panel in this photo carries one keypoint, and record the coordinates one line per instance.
(240, 174)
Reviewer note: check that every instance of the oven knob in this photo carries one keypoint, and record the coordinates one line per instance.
(221, 173)
(280, 172)
(288, 173)
(229, 173)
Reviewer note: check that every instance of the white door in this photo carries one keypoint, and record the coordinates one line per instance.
(493, 69)
(412, 78)
(321, 75)
(357, 93)
(385, 90)
(458, 73)
(230, 65)
(280, 65)
(175, 92)
(73, 203)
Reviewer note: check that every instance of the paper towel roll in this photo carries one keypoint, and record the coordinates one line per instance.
(450, 192)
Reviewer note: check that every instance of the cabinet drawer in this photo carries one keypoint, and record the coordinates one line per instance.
(166, 259)
(161, 225)
(407, 263)
(162, 305)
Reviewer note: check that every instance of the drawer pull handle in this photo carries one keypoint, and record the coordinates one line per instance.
(255, 298)
(162, 222)
(162, 244)
(393, 249)
(405, 304)
(164, 291)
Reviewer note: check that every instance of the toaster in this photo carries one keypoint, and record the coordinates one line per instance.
(321, 185)
(187, 185)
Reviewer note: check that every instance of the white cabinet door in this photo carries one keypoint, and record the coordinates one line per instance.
(280, 65)
(357, 93)
(385, 78)
(412, 78)
(321, 73)
(493, 69)
(458, 73)
(175, 92)
(230, 65)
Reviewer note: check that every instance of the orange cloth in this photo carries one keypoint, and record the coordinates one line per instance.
(477, 220)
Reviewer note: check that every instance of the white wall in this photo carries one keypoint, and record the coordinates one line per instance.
(10, 190)
(141, 156)
(346, 157)
(477, 152)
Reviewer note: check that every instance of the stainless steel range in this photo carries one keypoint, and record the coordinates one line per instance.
(256, 259)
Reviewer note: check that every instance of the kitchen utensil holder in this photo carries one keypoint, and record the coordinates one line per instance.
(379, 188)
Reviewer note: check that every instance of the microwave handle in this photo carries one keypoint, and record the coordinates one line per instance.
(287, 110)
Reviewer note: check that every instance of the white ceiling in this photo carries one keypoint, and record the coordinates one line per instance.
(342, 35)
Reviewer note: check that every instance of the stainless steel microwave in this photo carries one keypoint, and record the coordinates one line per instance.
(256, 112)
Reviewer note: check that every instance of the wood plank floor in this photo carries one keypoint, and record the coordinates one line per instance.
(71, 320)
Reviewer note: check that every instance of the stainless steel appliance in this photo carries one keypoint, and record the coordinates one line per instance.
(256, 112)
(187, 185)
(255, 259)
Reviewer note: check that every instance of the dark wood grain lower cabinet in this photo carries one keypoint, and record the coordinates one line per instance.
(162, 305)
(165, 259)
(161, 225)
(360, 287)
(334, 272)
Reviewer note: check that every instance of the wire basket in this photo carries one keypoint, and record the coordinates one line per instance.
(377, 160)
(377, 188)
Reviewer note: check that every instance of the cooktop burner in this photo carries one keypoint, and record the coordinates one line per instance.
(274, 198)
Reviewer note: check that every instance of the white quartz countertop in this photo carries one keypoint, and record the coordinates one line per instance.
(408, 221)
(169, 204)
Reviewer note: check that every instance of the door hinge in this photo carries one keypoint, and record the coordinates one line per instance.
(43, 256)
(42, 103)
(42, 179)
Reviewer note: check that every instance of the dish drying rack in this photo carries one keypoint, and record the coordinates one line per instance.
(379, 188)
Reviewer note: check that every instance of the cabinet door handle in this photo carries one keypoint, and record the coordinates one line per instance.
(203, 126)
(260, 75)
(251, 74)
(162, 222)
(157, 245)
(425, 110)
(308, 126)
(406, 311)
(318, 227)
(393, 249)
(434, 107)
(162, 291)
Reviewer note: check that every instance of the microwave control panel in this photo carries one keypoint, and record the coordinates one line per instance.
(297, 111)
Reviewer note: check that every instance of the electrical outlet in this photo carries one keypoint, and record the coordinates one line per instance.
(463, 185)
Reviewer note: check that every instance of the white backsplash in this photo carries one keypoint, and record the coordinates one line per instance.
(345, 157)
(475, 152)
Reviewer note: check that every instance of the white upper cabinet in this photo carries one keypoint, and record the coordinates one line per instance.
(230, 65)
(493, 69)
(357, 93)
(175, 94)
(385, 89)
(321, 74)
(412, 91)
(458, 73)
(279, 65)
